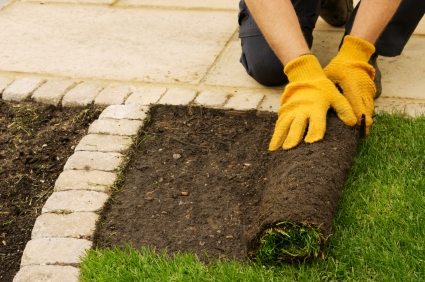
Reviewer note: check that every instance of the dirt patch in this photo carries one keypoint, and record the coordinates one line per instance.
(35, 142)
(198, 178)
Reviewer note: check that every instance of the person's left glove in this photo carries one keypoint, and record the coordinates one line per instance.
(305, 103)
(352, 72)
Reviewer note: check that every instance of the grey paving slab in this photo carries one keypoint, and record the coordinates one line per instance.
(104, 143)
(130, 111)
(60, 251)
(229, 71)
(73, 225)
(113, 95)
(389, 105)
(143, 96)
(84, 160)
(81, 95)
(4, 82)
(22, 88)
(93, 180)
(75, 201)
(244, 100)
(47, 273)
(212, 4)
(178, 96)
(271, 102)
(212, 98)
(52, 91)
(98, 41)
(123, 127)
(72, 1)
(415, 110)
(4, 3)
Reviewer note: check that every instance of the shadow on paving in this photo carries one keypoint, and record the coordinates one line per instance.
(202, 181)
(35, 142)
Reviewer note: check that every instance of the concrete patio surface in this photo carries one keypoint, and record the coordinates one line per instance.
(127, 54)
(167, 43)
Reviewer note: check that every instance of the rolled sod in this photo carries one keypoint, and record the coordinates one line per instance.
(301, 196)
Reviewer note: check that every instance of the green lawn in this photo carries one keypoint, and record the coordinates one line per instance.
(379, 229)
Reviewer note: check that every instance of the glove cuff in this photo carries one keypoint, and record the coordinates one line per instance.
(355, 48)
(304, 68)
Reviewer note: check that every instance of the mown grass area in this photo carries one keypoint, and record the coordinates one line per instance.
(379, 230)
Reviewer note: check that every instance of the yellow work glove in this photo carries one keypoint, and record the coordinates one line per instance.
(305, 102)
(352, 72)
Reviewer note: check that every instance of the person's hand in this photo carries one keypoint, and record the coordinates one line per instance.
(305, 102)
(352, 72)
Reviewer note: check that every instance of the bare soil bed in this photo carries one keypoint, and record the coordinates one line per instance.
(35, 142)
(198, 177)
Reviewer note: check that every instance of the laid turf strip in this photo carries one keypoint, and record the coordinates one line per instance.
(301, 196)
(202, 181)
(35, 142)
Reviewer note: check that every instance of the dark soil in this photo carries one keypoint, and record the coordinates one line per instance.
(35, 142)
(198, 178)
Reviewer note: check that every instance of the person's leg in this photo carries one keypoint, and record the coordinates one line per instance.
(257, 57)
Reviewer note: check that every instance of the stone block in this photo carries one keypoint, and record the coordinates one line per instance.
(270, 103)
(74, 1)
(81, 95)
(123, 127)
(143, 96)
(93, 180)
(212, 4)
(389, 105)
(113, 95)
(84, 160)
(22, 88)
(52, 91)
(73, 225)
(124, 112)
(228, 71)
(178, 96)
(212, 99)
(47, 273)
(243, 101)
(51, 251)
(4, 82)
(75, 201)
(415, 110)
(104, 143)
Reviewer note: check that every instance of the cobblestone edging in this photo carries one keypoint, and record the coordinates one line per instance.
(64, 230)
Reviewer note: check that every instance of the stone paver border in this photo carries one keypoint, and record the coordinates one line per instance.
(63, 232)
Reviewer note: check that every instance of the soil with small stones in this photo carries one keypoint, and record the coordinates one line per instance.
(35, 142)
(201, 181)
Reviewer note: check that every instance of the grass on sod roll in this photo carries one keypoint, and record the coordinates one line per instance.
(378, 231)
(288, 242)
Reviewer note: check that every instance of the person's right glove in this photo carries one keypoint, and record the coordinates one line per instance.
(305, 102)
(351, 70)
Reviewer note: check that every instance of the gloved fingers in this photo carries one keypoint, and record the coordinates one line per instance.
(296, 132)
(316, 128)
(369, 105)
(280, 132)
(344, 110)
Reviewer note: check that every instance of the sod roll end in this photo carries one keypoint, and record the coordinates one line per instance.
(301, 197)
